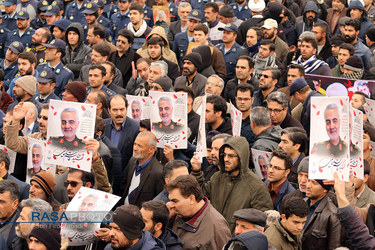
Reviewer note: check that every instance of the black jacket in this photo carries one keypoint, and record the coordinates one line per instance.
(225, 126)
(171, 240)
(229, 92)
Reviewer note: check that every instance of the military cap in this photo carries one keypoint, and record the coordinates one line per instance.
(55, 44)
(226, 11)
(46, 75)
(229, 27)
(100, 3)
(52, 10)
(8, 3)
(42, 6)
(251, 215)
(22, 15)
(16, 47)
(296, 85)
(195, 15)
(91, 8)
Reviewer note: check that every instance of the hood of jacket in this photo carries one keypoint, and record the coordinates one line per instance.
(251, 240)
(159, 31)
(76, 27)
(273, 10)
(311, 6)
(355, 4)
(241, 146)
(272, 134)
(170, 239)
(205, 52)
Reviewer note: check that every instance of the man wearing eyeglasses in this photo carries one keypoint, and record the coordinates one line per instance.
(235, 186)
(277, 174)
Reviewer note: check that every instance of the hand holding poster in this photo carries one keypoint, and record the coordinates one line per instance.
(85, 212)
(236, 119)
(70, 124)
(138, 107)
(35, 158)
(356, 142)
(329, 151)
(261, 160)
(201, 141)
(12, 156)
(169, 118)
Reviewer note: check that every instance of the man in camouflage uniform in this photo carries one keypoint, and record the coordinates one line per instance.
(166, 125)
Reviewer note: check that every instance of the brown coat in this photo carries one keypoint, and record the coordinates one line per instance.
(292, 101)
(334, 23)
(217, 61)
(210, 230)
(279, 238)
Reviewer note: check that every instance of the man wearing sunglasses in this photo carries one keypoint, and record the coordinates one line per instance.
(267, 84)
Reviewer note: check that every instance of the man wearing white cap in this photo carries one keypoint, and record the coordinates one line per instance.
(270, 32)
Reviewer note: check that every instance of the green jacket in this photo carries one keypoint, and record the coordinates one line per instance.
(231, 193)
(279, 238)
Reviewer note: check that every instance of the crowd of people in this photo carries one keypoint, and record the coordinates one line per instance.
(253, 54)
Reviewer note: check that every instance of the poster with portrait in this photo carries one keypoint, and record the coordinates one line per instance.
(138, 107)
(35, 158)
(191, 46)
(236, 119)
(201, 139)
(85, 212)
(162, 16)
(329, 138)
(370, 110)
(169, 118)
(356, 142)
(261, 159)
(12, 156)
(70, 125)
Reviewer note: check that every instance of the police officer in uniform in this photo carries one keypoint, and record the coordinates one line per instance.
(199, 5)
(9, 20)
(73, 11)
(3, 37)
(23, 26)
(11, 67)
(241, 12)
(120, 20)
(46, 77)
(109, 9)
(104, 20)
(63, 74)
(148, 16)
(40, 21)
(230, 55)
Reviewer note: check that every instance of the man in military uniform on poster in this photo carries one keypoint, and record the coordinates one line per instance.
(69, 126)
(334, 147)
(23, 27)
(53, 54)
(165, 112)
(36, 160)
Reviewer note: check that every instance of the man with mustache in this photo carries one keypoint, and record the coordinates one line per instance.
(310, 16)
(36, 158)
(165, 112)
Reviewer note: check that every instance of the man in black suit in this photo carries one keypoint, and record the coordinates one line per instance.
(121, 130)
(144, 174)
(180, 25)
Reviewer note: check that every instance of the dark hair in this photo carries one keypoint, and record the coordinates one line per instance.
(99, 124)
(312, 40)
(294, 206)
(348, 47)
(4, 157)
(137, 8)
(366, 167)
(160, 212)
(86, 177)
(297, 136)
(250, 61)
(186, 89)
(323, 26)
(142, 59)
(276, 73)
(170, 166)
(219, 104)
(98, 30)
(304, 89)
(269, 43)
(363, 96)
(45, 106)
(288, 162)
(258, 31)
(145, 123)
(202, 27)
(46, 34)
(155, 40)
(369, 129)
(213, 5)
(27, 55)
(101, 97)
(187, 185)
(102, 48)
(12, 187)
(127, 34)
(113, 67)
(244, 88)
(354, 23)
(99, 67)
(118, 96)
(300, 68)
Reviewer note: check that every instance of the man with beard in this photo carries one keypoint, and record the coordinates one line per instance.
(310, 16)
(211, 11)
(23, 27)
(166, 125)
(270, 32)
(352, 29)
(24, 91)
(9, 64)
(41, 35)
(357, 11)
(91, 18)
(36, 158)
(320, 31)
(346, 50)
(97, 75)
(308, 59)
(76, 179)
(144, 173)
(110, 70)
(234, 177)
(266, 57)
(155, 47)
(267, 85)
(190, 76)
(120, 129)
(334, 14)
(241, 10)
(100, 99)
(138, 26)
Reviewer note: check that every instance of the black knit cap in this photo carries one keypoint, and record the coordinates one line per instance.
(326, 187)
(195, 58)
(165, 82)
(130, 225)
(353, 63)
(49, 235)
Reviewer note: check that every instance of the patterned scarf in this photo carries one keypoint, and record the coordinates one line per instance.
(310, 65)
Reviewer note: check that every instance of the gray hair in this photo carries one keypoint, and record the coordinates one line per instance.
(70, 109)
(261, 157)
(260, 117)
(152, 141)
(221, 81)
(37, 146)
(36, 205)
(184, 5)
(136, 102)
(32, 109)
(165, 98)
(278, 97)
(163, 66)
(332, 106)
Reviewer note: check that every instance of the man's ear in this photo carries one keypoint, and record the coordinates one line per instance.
(88, 184)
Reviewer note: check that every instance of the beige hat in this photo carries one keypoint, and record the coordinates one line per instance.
(270, 23)
(27, 83)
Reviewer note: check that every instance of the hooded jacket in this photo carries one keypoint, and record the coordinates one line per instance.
(171, 240)
(268, 140)
(303, 25)
(365, 23)
(279, 238)
(75, 59)
(147, 241)
(251, 240)
(167, 53)
(230, 193)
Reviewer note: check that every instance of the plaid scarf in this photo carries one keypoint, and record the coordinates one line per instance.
(310, 65)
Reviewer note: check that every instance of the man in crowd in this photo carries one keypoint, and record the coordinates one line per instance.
(216, 118)
(180, 25)
(46, 86)
(138, 26)
(9, 64)
(270, 32)
(346, 50)
(363, 195)
(267, 84)
(96, 80)
(211, 11)
(23, 33)
(249, 219)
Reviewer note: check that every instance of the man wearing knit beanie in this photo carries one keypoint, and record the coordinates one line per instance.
(353, 68)
(161, 84)
(75, 92)
(41, 186)
(24, 88)
(190, 76)
(45, 237)
(127, 230)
